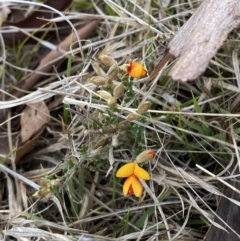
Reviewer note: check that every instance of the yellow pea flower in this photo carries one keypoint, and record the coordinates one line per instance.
(133, 172)
(132, 168)
(136, 70)
(131, 186)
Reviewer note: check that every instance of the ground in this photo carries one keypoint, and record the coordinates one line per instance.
(69, 126)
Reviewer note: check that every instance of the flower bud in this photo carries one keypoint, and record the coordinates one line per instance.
(113, 72)
(118, 91)
(124, 126)
(98, 80)
(145, 156)
(46, 188)
(55, 182)
(112, 102)
(101, 143)
(104, 94)
(107, 60)
(144, 107)
(131, 117)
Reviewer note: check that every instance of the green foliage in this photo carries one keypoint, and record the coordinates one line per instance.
(81, 4)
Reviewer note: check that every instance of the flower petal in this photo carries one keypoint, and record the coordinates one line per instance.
(127, 184)
(136, 70)
(136, 186)
(126, 170)
(141, 173)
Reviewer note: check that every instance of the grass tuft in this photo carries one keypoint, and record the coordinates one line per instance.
(193, 129)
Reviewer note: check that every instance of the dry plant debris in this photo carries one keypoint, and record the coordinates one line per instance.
(33, 118)
(34, 20)
(119, 157)
(199, 39)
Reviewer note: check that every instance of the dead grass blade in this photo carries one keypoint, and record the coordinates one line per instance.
(53, 58)
(34, 21)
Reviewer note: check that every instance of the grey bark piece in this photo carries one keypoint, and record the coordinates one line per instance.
(201, 36)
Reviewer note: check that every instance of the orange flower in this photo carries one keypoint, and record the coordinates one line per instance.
(133, 173)
(136, 70)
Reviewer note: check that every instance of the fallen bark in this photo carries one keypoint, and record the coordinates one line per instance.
(200, 37)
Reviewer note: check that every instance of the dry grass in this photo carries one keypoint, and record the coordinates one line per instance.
(188, 127)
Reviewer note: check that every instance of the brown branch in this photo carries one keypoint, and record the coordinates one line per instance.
(52, 58)
(47, 63)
